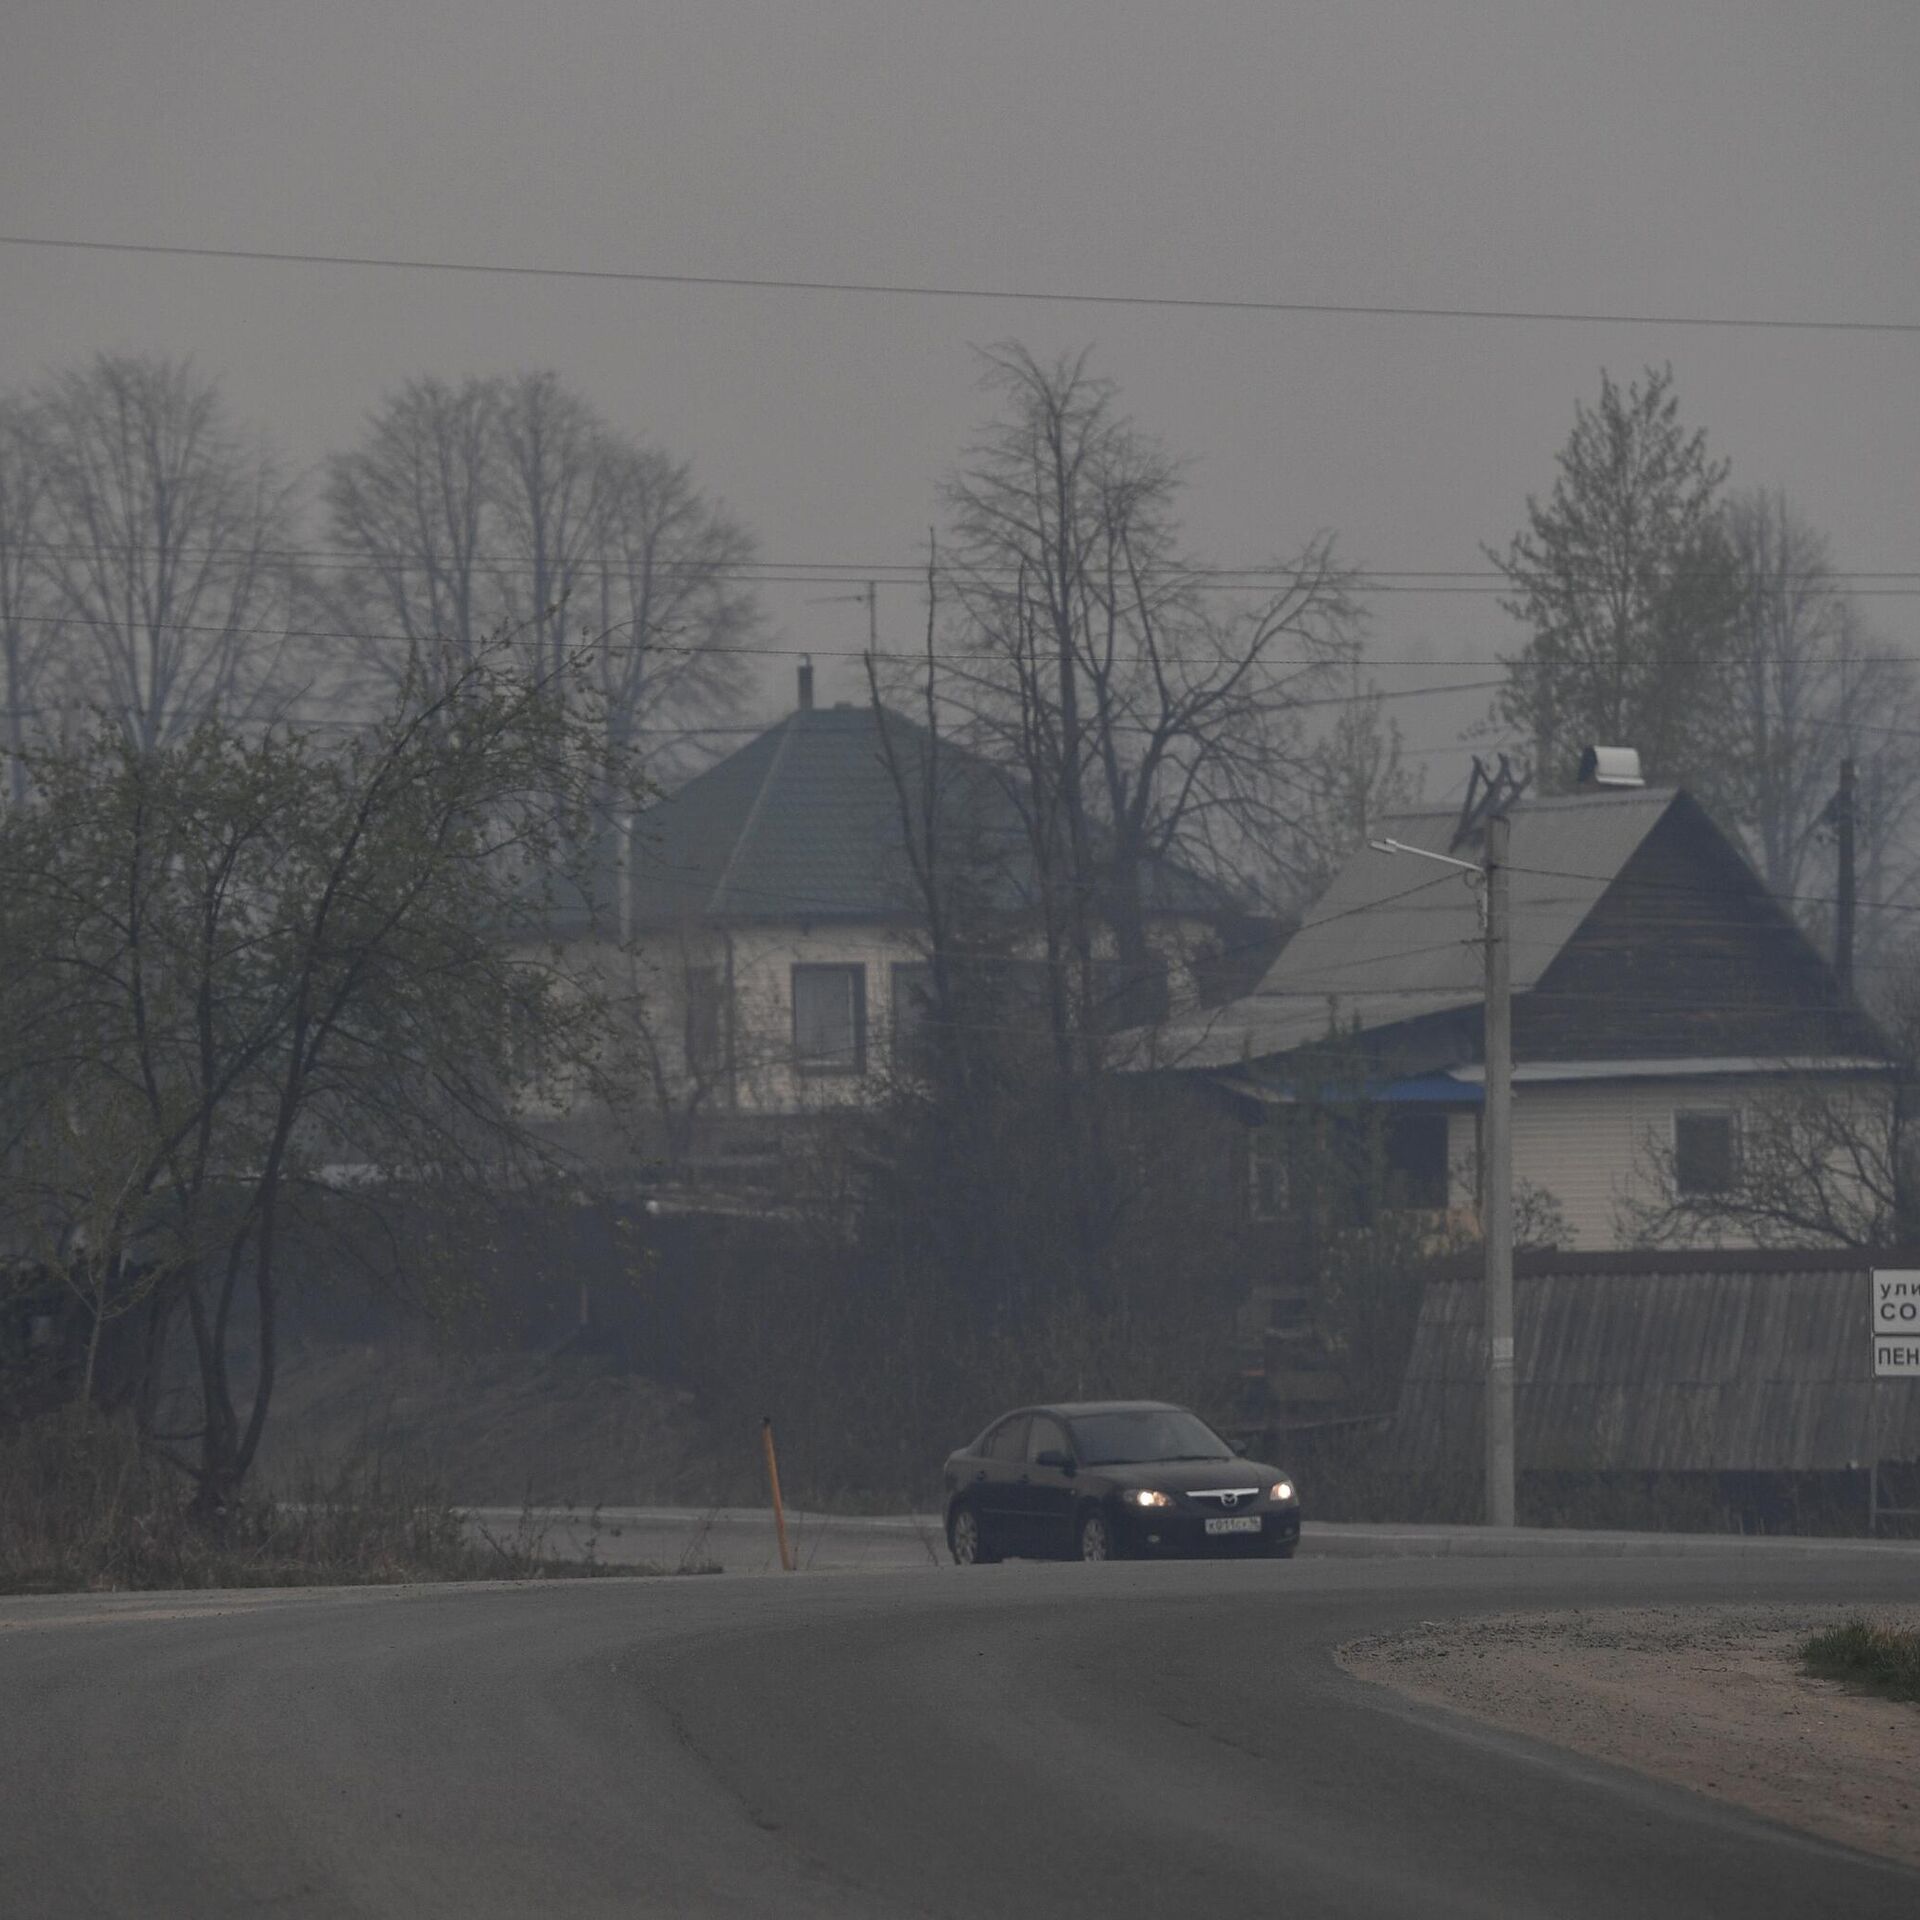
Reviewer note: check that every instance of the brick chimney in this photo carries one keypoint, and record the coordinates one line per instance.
(806, 683)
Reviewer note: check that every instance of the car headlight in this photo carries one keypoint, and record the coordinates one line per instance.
(1146, 1497)
(1280, 1492)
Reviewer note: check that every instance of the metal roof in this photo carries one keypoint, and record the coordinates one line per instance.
(1711, 1362)
(803, 823)
(1396, 937)
(1682, 1067)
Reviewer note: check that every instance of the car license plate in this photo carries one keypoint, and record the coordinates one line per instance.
(1239, 1523)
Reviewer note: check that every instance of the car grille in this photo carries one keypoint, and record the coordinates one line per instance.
(1226, 1499)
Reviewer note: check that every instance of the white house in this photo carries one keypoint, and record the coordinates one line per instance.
(774, 947)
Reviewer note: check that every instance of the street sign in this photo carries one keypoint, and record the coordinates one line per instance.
(1896, 1323)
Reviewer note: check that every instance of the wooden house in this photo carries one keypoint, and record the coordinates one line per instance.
(1659, 992)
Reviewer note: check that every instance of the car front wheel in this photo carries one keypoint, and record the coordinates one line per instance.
(1096, 1536)
(967, 1542)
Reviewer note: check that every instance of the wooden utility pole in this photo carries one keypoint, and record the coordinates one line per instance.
(1843, 911)
(1496, 1146)
(1496, 1149)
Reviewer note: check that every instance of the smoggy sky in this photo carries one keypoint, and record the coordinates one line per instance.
(1753, 159)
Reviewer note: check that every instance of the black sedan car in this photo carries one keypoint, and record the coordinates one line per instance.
(1104, 1480)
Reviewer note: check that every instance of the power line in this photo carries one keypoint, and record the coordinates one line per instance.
(1359, 582)
(916, 657)
(895, 573)
(913, 290)
(749, 731)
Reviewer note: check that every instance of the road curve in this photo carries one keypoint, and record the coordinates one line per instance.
(1067, 1741)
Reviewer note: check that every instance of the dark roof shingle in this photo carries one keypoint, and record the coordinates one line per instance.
(1396, 937)
(804, 823)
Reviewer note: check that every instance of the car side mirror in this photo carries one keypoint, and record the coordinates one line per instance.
(1053, 1457)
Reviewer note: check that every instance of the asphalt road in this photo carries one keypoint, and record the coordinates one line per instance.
(1010, 1741)
(742, 1540)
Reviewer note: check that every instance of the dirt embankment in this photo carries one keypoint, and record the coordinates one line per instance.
(1709, 1698)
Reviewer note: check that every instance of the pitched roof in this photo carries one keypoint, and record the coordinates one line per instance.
(803, 823)
(1396, 937)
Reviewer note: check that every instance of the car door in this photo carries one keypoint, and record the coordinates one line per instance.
(997, 1484)
(1046, 1500)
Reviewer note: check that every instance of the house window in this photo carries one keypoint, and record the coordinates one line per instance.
(1705, 1153)
(1266, 1174)
(706, 1033)
(830, 1019)
(527, 1041)
(912, 1008)
(1417, 1161)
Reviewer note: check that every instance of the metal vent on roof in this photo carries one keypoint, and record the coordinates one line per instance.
(1610, 767)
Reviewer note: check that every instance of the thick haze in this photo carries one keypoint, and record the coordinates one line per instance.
(1752, 159)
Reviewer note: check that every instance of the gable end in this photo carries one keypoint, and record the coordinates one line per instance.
(1687, 954)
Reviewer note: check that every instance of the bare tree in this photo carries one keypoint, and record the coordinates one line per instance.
(1152, 716)
(551, 476)
(1817, 1164)
(1887, 858)
(27, 630)
(1816, 1161)
(412, 507)
(669, 600)
(1808, 692)
(1355, 775)
(674, 1047)
(168, 549)
(510, 505)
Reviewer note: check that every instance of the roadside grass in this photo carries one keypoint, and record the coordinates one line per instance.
(1875, 1658)
(84, 1509)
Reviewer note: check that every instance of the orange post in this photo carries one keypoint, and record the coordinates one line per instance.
(773, 1482)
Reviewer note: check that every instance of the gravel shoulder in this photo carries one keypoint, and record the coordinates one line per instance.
(1706, 1697)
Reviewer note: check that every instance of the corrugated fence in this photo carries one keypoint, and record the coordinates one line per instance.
(1665, 1363)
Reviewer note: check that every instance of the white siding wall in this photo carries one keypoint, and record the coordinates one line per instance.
(765, 1080)
(763, 963)
(1586, 1143)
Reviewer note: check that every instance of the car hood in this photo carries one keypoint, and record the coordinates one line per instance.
(1191, 1476)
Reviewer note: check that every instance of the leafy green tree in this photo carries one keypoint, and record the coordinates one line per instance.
(275, 962)
(1628, 581)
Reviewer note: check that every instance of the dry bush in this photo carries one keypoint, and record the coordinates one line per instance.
(82, 1508)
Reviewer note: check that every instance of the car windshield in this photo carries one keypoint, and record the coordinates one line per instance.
(1145, 1433)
